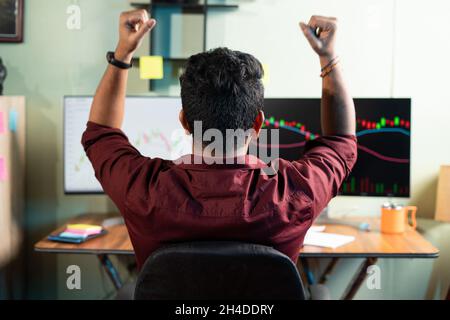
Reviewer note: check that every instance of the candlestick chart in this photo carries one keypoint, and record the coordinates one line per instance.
(383, 132)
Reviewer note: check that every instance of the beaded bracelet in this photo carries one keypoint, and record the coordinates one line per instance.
(329, 67)
(330, 63)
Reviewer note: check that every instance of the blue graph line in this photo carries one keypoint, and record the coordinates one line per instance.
(358, 134)
(297, 130)
(369, 131)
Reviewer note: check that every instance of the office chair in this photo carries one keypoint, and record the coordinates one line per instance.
(218, 270)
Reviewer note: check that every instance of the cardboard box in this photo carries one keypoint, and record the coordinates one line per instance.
(443, 195)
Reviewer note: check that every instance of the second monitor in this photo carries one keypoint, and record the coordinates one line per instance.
(383, 132)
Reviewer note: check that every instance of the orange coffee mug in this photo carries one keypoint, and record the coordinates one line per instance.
(395, 219)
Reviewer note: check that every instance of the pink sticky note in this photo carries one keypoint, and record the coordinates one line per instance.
(3, 170)
(2, 123)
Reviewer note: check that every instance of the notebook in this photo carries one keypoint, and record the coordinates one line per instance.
(326, 240)
(67, 237)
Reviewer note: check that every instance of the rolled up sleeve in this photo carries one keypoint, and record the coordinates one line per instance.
(326, 163)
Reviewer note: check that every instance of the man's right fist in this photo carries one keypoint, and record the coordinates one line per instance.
(134, 25)
(321, 35)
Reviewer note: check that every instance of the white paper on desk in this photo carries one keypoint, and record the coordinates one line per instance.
(317, 228)
(327, 240)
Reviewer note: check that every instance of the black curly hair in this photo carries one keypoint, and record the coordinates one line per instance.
(223, 89)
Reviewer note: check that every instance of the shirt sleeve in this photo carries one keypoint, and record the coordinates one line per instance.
(114, 160)
(326, 163)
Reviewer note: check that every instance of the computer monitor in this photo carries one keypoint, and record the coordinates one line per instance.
(383, 131)
(151, 124)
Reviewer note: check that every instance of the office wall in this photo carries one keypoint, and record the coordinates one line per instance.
(387, 50)
(388, 47)
(52, 62)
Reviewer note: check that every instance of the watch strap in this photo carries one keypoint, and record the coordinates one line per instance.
(119, 64)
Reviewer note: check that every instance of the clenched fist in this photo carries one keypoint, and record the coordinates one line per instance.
(321, 34)
(134, 25)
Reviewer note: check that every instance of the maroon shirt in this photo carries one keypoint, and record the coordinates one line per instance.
(163, 202)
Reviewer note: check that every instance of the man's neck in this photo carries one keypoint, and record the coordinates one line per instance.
(219, 154)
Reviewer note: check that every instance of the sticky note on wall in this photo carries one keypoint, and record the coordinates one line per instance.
(151, 67)
(2, 123)
(3, 169)
(13, 116)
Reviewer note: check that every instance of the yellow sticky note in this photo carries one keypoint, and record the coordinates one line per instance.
(265, 79)
(151, 67)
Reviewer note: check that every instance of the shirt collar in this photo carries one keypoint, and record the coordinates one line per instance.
(191, 161)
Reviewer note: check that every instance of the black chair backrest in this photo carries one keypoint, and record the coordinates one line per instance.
(218, 270)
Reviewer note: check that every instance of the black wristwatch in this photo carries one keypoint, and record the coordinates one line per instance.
(117, 63)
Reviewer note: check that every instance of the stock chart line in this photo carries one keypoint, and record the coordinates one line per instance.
(358, 134)
(155, 135)
(384, 130)
(382, 157)
(80, 162)
(384, 125)
(363, 148)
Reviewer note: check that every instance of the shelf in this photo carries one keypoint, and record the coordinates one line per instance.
(175, 59)
(135, 61)
(189, 6)
(167, 10)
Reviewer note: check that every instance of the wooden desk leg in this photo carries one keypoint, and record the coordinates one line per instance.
(308, 273)
(302, 272)
(111, 271)
(358, 279)
(328, 270)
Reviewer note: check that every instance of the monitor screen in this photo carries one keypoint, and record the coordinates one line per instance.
(383, 131)
(151, 124)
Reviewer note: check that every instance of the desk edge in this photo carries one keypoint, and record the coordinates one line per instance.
(84, 251)
(433, 255)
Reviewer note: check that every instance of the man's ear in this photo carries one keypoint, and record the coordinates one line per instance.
(184, 122)
(259, 121)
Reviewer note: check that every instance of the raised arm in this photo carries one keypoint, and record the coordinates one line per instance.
(109, 101)
(337, 108)
(328, 160)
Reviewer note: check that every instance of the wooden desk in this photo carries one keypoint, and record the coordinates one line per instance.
(369, 245)
(374, 244)
(116, 241)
